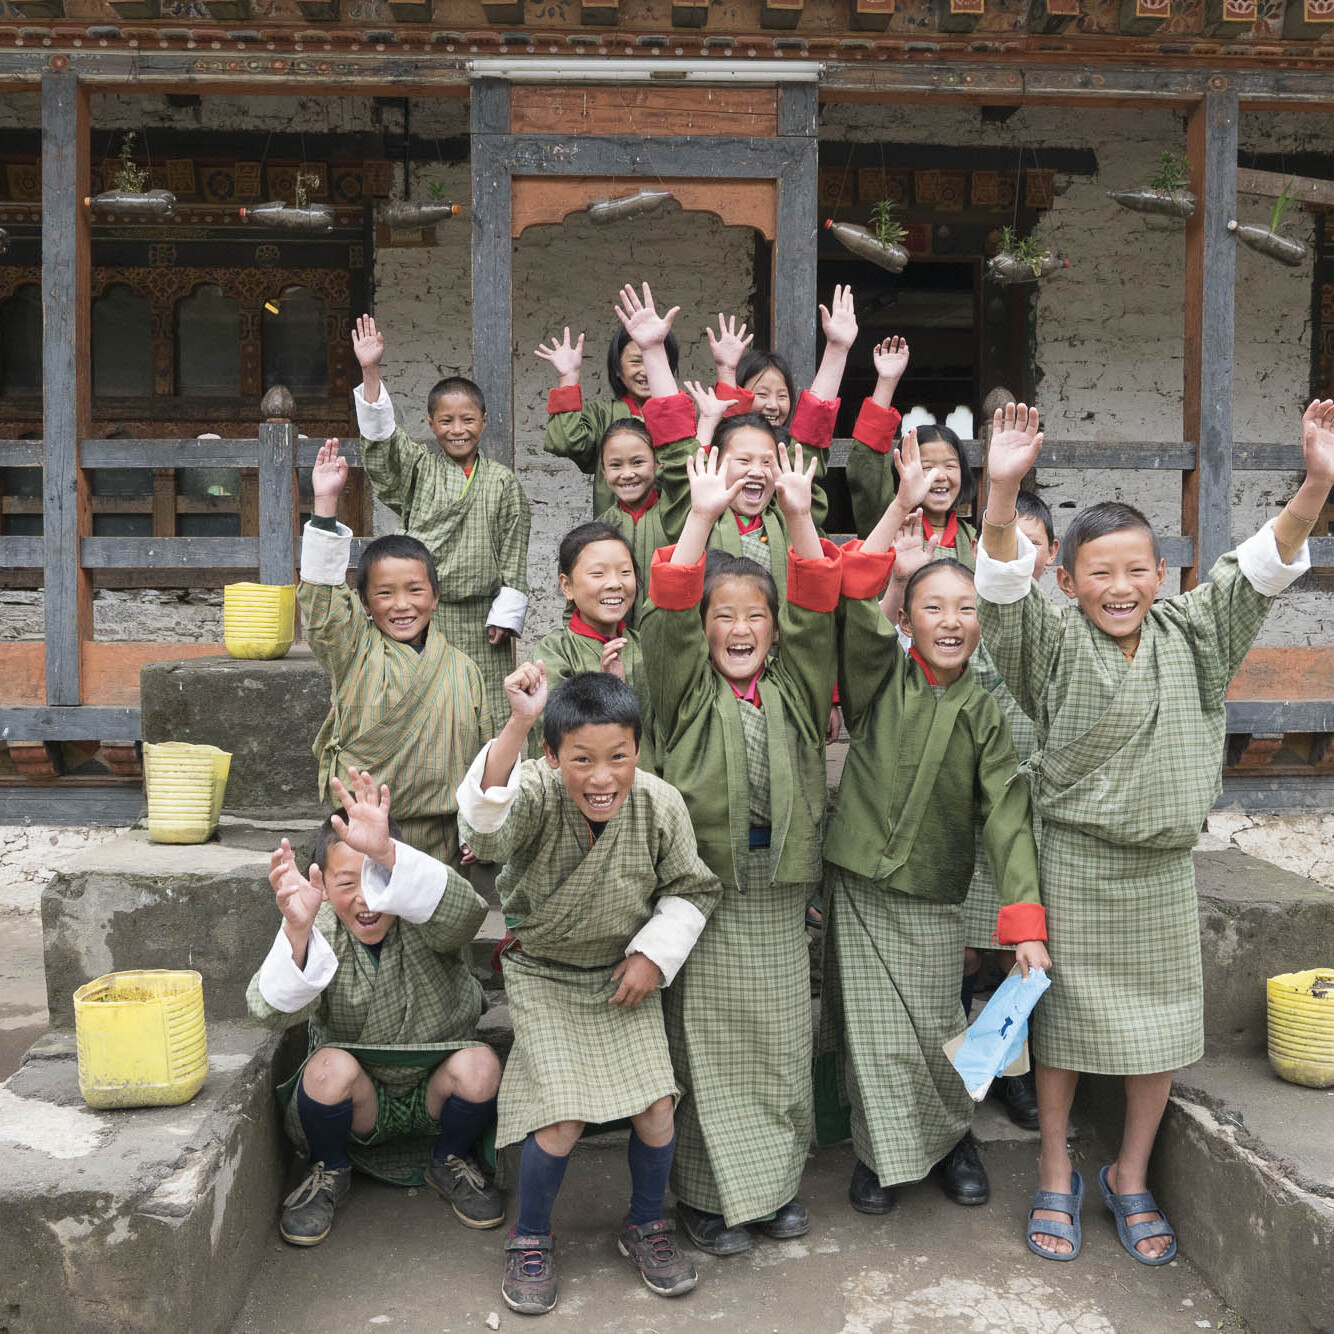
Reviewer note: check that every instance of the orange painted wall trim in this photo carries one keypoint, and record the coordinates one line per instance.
(110, 670)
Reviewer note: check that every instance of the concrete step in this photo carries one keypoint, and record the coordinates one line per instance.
(145, 1219)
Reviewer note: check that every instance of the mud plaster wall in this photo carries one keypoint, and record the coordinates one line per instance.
(1109, 331)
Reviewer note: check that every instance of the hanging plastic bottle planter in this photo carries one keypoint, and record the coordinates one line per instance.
(884, 249)
(1165, 195)
(302, 216)
(128, 198)
(603, 211)
(1022, 261)
(407, 213)
(1269, 240)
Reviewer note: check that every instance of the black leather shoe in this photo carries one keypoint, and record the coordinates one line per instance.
(790, 1221)
(963, 1177)
(708, 1232)
(866, 1194)
(1019, 1096)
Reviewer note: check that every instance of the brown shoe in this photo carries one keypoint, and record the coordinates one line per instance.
(652, 1247)
(529, 1286)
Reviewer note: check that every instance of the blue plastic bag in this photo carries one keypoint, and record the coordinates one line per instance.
(997, 1035)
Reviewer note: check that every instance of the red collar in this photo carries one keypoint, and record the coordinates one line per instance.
(751, 694)
(917, 657)
(950, 534)
(635, 409)
(579, 626)
(636, 514)
(744, 525)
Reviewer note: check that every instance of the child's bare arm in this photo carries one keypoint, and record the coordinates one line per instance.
(1302, 512)
(913, 486)
(793, 490)
(526, 693)
(839, 321)
(728, 346)
(710, 497)
(710, 407)
(565, 357)
(890, 358)
(912, 551)
(649, 330)
(298, 898)
(368, 347)
(1015, 444)
(327, 479)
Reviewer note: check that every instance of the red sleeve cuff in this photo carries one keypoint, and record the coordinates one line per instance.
(814, 584)
(742, 400)
(865, 573)
(1019, 922)
(813, 421)
(876, 426)
(669, 419)
(674, 587)
(565, 398)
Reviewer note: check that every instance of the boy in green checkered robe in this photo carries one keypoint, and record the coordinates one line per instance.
(372, 952)
(467, 510)
(930, 758)
(404, 703)
(605, 895)
(1127, 696)
(743, 738)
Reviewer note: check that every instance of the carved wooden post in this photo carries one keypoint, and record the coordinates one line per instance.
(278, 511)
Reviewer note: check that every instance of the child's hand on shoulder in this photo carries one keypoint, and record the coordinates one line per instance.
(367, 342)
(839, 319)
(610, 661)
(638, 976)
(912, 550)
(1015, 444)
(890, 358)
(729, 344)
(565, 357)
(1318, 440)
(526, 692)
(914, 483)
(710, 495)
(640, 318)
(298, 898)
(793, 482)
(329, 475)
(364, 824)
(1032, 954)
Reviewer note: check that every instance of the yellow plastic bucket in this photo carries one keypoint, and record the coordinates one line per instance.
(185, 785)
(141, 1038)
(258, 620)
(1301, 1026)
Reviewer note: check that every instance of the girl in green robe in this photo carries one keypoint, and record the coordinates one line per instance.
(741, 736)
(630, 472)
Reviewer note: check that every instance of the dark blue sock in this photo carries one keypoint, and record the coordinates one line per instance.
(327, 1126)
(540, 1175)
(649, 1169)
(461, 1125)
(966, 994)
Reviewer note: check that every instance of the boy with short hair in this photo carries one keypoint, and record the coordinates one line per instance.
(467, 509)
(404, 702)
(1127, 696)
(605, 895)
(372, 952)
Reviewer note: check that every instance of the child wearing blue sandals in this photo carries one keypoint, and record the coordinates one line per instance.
(1126, 693)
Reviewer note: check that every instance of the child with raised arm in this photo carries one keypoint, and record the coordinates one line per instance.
(576, 430)
(930, 755)
(404, 702)
(605, 895)
(372, 951)
(468, 510)
(742, 736)
(1127, 695)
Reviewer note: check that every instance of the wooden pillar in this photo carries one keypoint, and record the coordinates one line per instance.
(66, 388)
(277, 502)
(1206, 494)
(794, 290)
(492, 265)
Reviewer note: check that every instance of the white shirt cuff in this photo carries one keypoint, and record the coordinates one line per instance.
(1006, 581)
(508, 610)
(669, 935)
(485, 811)
(905, 640)
(1259, 561)
(375, 420)
(412, 890)
(325, 555)
(289, 988)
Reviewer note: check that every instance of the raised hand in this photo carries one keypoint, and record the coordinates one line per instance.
(610, 661)
(298, 898)
(729, 344)
(707, 404)
(565, 357)
(914, 483)
(839, 320)
(912, 550)
(526, 692)
(793, 484)
(641, 319)
(327, 478)
(364, 824)
(890, 358)
(1015, 445)
(1318, 441)
(710, 495)
(367, 342)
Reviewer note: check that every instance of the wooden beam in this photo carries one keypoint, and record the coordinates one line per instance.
(1206, 493)
(66, 386)
(277, 502)
(152, 553)
(702, 156)
(58, 724)
(1271, 184)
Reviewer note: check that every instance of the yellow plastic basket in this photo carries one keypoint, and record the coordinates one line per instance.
(185, 785)
(1301, 1026)
(141, 1038)
(258, 620)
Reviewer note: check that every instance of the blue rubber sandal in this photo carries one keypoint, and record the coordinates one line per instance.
(1050, 1227)
(1122, 1206)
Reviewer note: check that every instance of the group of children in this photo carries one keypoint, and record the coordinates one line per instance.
(653, 788)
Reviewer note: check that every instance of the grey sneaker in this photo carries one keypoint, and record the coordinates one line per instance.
(529, 1286)
(652, 1247)
(308, 1211)
(475, 1199)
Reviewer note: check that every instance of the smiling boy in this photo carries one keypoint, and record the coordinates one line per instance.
(468, 510)
(1127, 697)
(605, 896)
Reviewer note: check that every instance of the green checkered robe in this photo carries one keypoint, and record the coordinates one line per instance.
(566, 652)
(575, 903)
(644, 536)
(577, 436)
(738, 1014)
(925, 762)
(1129, 765)
(400, 1015)
(413, 720)
(475, 528)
